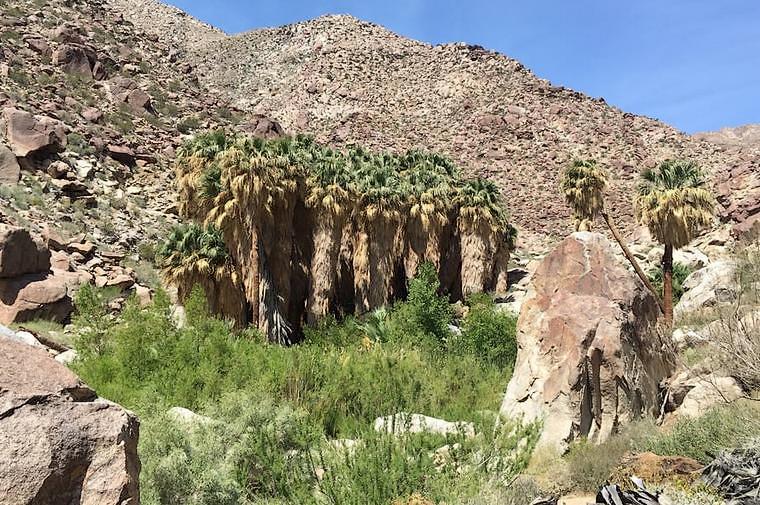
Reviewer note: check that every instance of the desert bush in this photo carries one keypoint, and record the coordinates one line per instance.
(487, 333)
(703, 437)
(590, 465)
(680, 273)
(428, 312)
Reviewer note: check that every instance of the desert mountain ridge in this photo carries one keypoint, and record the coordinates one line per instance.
(129, 80)
(350, 81)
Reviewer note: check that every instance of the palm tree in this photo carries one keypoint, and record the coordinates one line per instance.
(329, 194)
(429, 178)
(583, 185)
(382, 198)
(195, 256)
(676, 205)
(482, 217)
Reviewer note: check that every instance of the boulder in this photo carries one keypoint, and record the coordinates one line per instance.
(417, 423)
(589, 357)
(34, 296)
(27, 134)
(10, 171)
(262, 126)
(20, 254)
(23, 337)
(59, 443)
(709, 286)
(73, 60)
(695, 396)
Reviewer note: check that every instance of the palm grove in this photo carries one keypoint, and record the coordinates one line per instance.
(673, 202)
(286, 231)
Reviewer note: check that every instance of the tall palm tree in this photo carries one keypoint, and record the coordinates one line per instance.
(329, 194)
(583, 185)
(481, 218)
(675, 203)
(380, 212)
(430, 180)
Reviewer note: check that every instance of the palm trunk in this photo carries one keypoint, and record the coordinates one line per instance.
(324, 264)
(477, 256)
(361, 269)
(667, 284)
(382, 247)
(632, 260)
(501, 270)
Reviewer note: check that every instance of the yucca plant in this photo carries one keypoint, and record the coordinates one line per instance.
(583, 185)
(676, 205)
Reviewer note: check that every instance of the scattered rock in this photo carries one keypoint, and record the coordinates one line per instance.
(73, 60)
(20, 254)
(706, 392)
(417, 423)
(187, 417)
(714, 284)
(67, 357)
(10, 171)
(586, 326)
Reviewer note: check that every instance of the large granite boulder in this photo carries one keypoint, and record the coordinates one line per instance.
(27, 134)
(60, 443)
(708, 287)
(28, 288)
(589, 356)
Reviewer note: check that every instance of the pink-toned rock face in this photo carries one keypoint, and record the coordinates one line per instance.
(20, 254)
(59, 443)
(27, 134)
(10, 171)
(589, 357)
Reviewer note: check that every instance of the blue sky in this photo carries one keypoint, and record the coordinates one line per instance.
(694, 64)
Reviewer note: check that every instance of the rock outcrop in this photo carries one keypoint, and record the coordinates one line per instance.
(59, 443)
(28, 288)
(28, 134)
(708, 287)
(589, 357)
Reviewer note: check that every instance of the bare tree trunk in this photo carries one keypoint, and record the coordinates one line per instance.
(632, 259)
(667, 284)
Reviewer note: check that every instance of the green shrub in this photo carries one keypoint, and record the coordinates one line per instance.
(703, 437)
(680, 273)
(279, 405)
(488, 334)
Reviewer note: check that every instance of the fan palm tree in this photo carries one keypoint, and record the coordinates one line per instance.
(430, 182)
(382, 197)
(329, 194)
(675, 204)
(195, 256)
(481, 219)
(583, 185)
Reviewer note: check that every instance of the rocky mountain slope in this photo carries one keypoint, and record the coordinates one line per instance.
(350, 81)
(91, 112)
(123, 81)
(747, 135)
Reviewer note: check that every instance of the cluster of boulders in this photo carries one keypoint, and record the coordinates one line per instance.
(39, 275)
(59, 442)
